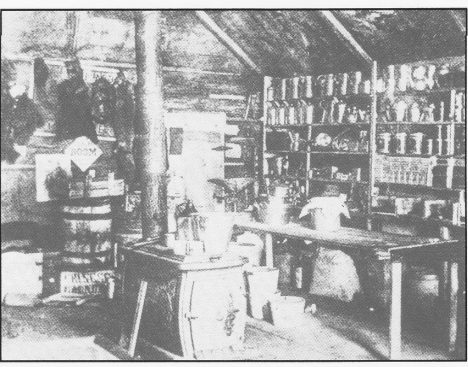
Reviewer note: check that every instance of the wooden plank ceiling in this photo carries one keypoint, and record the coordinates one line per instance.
(288, 42)
(284, 42)
(276, 42)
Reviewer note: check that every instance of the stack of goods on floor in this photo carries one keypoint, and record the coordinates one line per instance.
(30, 263)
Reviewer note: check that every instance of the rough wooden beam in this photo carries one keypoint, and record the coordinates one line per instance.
(150, 133)
(342, 33)
(226, 40)
(72, 30)
(459, 22)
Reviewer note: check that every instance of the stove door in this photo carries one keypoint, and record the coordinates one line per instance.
(217, 310)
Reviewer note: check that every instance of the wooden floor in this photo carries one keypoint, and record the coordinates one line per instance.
(337, 331)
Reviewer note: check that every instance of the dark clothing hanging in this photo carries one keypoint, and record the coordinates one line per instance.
(74, 115)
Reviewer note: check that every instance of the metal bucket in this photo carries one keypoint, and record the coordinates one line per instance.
(286, 309)
(214, 229)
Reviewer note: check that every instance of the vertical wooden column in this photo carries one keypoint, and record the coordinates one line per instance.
(395, 310)
(150, 133)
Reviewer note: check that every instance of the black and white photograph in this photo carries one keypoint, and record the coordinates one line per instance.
(278, 183)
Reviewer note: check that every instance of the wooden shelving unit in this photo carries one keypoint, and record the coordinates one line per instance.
(291, 106)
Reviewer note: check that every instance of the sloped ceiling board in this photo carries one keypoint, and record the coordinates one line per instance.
(343, 34)
(227, 41)
(72, 30)
(459, 22)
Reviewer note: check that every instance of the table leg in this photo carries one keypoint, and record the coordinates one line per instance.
(395, 310)
(269, 250)
(444, 282)
(137, 317)
(453, 305)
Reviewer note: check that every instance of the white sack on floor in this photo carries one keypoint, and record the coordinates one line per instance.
(334, 275)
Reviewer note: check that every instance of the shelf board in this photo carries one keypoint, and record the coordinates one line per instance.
(343, 124)
(414, 155)
(334, 180)
(319, 98)
(418, 186)
(235, 121)
(285, 152)
(339, 153)
(415, 218)
(286, 177)
(288, 126)
(417, 123)
(427, 92)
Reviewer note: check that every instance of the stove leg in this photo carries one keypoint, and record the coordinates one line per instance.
(137, 317)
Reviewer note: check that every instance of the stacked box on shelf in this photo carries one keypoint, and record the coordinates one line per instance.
(404, 170)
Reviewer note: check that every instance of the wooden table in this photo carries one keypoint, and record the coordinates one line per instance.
(381, 246)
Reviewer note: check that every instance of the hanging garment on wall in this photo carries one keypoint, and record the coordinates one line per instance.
(123, 124)
(8, 152)
(103, 102)
(74, 115)
(124, 111)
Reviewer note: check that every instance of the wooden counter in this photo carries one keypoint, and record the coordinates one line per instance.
(397, 248)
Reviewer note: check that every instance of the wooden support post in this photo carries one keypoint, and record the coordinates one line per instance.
(269, 249)
(137, 318)
(150, 137)
(395, 310)
(453, 306)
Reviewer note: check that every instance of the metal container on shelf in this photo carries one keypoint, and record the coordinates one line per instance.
(400, 143)
(383, 143)
(415, 143)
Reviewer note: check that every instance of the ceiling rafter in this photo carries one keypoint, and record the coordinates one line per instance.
(343, 34)
(459, 23)
(224, 38)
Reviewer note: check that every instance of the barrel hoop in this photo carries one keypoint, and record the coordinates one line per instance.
(87, 255)
(88, 202)
(72, 216)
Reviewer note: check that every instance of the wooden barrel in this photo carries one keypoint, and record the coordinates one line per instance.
(87, 229)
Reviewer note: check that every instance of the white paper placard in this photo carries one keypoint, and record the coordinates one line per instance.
(83, 152)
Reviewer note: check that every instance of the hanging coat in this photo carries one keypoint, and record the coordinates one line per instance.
(74, 115)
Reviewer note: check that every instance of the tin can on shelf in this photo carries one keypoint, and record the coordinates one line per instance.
(295, 88)
(429, 147)
(383, 143)
(281, 116)
(272, 116)
(307, 87)
(400, 143)
(415, 143)
(270, 94)
(356, 82)
(440, 147)
(284, 89)
(292, 115)
(309, 115)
